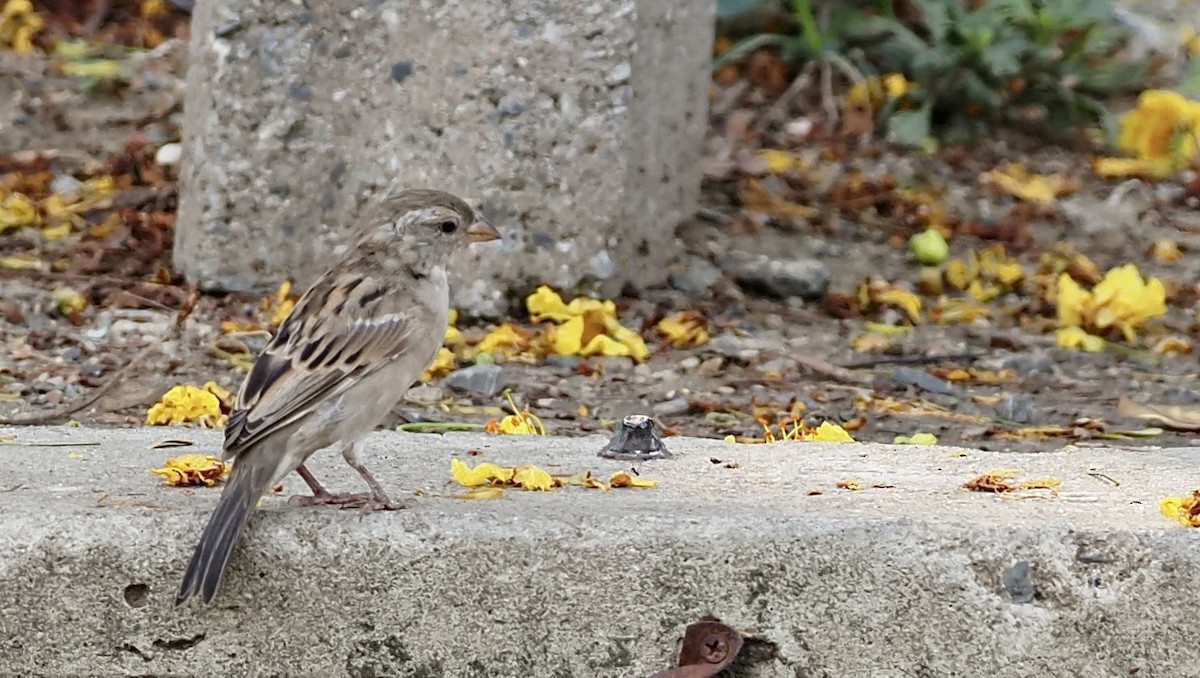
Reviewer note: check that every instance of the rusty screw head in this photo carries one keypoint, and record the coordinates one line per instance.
(715, 649)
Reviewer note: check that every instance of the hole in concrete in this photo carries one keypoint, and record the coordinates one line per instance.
(137, 595)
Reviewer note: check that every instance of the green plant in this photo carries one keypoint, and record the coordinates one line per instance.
(1047, 62)
(975, 63)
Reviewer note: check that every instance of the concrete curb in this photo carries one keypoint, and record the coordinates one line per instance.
(923, 579)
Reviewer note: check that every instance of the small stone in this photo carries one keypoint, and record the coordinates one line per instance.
(781, 278)
(616, 364)
(168, 155)
(711, 367)
(778, 365)
(1016, 408)
(17, 388)
(485, 380)
(619, 74)
(65, 185)
(672, 408)
(726, 390)
(733, 346)
(696, 277)
(1029, 365)
(47, 385)
(424, 393)
(53, 397)
(689, 363)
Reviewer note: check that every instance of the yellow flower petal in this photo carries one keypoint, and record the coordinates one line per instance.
(486, 473)
(624, 479)
(828, 432)
(186, 404)
(533, 478)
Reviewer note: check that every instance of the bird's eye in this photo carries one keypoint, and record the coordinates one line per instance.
(448, 227)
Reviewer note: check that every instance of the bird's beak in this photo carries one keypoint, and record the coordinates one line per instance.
(482, 231)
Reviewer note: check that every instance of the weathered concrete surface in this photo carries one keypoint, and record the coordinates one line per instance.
(577, 128)
(924, 579)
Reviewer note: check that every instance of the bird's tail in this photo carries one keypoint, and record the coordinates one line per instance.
(246, 485)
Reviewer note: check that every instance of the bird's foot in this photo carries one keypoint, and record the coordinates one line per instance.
(365, 502)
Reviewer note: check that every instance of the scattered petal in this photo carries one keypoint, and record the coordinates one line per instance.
(192, 470)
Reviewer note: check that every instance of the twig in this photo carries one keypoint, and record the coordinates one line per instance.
(912, 359)
(64, 412)
(828, 369)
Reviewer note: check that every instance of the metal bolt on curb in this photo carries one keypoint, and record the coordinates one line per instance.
(708, 648)
(636, 439)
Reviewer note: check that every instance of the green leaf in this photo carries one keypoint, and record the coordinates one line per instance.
(936, 14)
(1113, 76)
(1003, 59)
(750, 45)
(911, 128)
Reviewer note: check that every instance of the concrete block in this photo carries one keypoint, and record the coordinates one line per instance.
(921, 579)
(576, 127)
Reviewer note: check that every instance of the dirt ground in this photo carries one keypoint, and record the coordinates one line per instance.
(998, 382)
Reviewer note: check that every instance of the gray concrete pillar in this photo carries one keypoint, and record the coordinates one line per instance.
(575, 127)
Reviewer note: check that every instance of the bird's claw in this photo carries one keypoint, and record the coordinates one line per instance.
(365, 502)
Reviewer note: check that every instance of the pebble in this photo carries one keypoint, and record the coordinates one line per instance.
(671, 408)
(1016, 408)
(485, 380)
(779, 365)
(689, 363)
(169, 154)
(711, 366)
(1027, 365)
(781, 278)
(733, 346)
(617, 365)
(696, 277)
(65, 185)
(53, 397)
(424, 393)
(922, 380)
(47, 385)
(17, 388)
(726, 390)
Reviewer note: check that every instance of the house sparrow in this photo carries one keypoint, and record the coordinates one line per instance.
(351, 347)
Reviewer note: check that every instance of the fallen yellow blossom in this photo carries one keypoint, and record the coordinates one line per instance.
(69, 301)
(533, 478)
(624, 479)
(1159, 134)
(684, 328)
(520, 422)
(1016, 180)
(1121, 300)
(828, 432)
(191, 470)
(507, 340)
(453, 335)
(1183, 510)
(281, 304)
(1074, 337)
(781, 162)
(485, 473)
(17, 211)
(916, 439)
(878, 293)
(186, 404)
(19, 24)
(872, 93)
(442, 364)
(585, 327)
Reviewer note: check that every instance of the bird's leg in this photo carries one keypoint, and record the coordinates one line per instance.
(318, 490)
(364, 501)
(377, 499)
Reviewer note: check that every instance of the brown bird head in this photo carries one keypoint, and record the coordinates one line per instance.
(426, 224)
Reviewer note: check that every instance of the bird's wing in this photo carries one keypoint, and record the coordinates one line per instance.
(336, 336)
